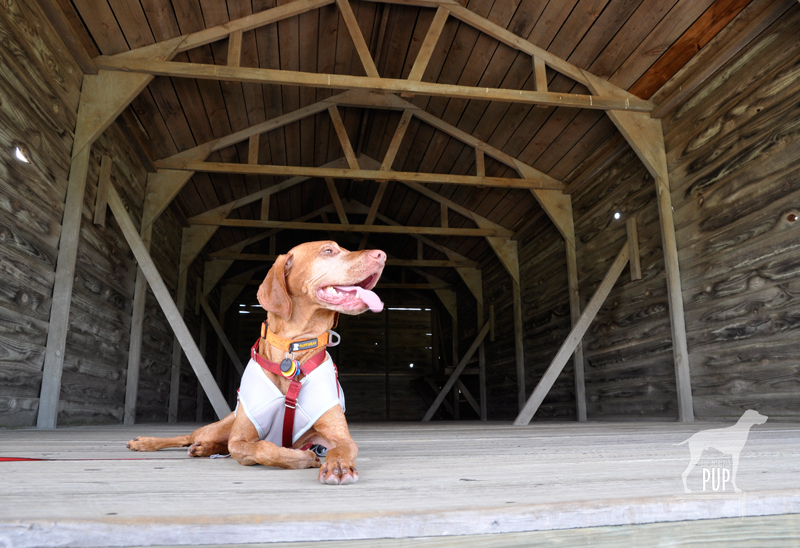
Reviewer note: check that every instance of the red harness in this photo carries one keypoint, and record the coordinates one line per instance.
(294, 388)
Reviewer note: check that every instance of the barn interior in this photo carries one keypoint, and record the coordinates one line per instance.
(589, 209)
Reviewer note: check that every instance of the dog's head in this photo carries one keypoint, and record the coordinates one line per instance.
(751, 416)
(323, 275)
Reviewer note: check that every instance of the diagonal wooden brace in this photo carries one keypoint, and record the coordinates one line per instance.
(574, 337)
(165, 300)
(459, 369)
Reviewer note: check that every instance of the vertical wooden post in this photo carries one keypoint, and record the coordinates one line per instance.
(482, 364)
(455, 364)
(175, 372)
(198, 415)
(575, 314)
(646, 137)
(386, 358)
(62, 290)
(135, 348)
(519, 348)
(674, 294)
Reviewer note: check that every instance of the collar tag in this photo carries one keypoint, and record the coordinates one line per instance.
(303, 345)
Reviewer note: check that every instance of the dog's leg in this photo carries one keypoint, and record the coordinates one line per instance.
(143, 443)
(694, 458)
(734, 468)
(340, 462)
(211, 439)
(207, 440)
(248, 450)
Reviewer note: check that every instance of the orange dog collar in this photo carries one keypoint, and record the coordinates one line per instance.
(289, 345)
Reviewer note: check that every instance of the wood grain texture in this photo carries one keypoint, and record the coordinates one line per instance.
(605, 476)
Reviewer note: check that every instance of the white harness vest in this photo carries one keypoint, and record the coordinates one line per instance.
(263, 402)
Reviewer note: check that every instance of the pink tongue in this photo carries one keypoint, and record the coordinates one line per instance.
(370, 299)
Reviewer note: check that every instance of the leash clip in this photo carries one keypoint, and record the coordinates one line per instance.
(330, 344)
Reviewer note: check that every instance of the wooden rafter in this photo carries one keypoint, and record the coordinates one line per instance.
(358, 38)
(345, 81)
(381, 229)
(357, 174)
(419, 263)
(428, 45)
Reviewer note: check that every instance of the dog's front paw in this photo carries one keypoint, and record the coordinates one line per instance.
(206, 449)
(141, 444)
(337, 472)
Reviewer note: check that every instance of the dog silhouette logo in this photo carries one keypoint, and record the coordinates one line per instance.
(729, 441)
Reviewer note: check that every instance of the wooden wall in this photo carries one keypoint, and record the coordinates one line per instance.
(39, 95)
(733, 154)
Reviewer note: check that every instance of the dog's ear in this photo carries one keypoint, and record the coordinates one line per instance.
(272, 294)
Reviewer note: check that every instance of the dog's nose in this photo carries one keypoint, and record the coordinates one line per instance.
(378, 255)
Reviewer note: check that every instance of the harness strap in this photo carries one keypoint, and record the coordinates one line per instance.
(290, 400)
(288, 413)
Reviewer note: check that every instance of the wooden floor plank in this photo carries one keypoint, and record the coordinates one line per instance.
(431, 480)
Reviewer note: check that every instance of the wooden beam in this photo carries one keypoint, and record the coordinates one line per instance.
(458, 370)
(428, 45)
(386, 165)
(389, 285)
(344, 81)
(135, 345)
(357, 174)
(175, 367)
(646, 137)
(571, 342)
(397, 140)
(419, 263)
(633, 243)
(62, 291)
(480, 163)
(252, 149)
(337, 201)
(250, 22)
(344, 140)
(517, 42)
(235, 48)
(575, 315)
(362, 49)
(443, 215)
(226, 343)
(101, 199)
(165, 184)
(262, 194)
(381, 229)
(168, 306)
(461, 387)
(539, 74)
(519, 346)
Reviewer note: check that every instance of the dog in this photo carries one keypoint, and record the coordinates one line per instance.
(728, 440)
(303, 293)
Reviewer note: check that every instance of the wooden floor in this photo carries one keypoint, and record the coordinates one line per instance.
(423, 483)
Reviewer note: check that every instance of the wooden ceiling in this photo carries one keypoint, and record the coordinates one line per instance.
(636, 44)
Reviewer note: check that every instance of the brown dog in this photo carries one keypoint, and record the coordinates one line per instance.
(302, 293)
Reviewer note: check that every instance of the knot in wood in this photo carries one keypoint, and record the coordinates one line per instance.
(756, 282)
